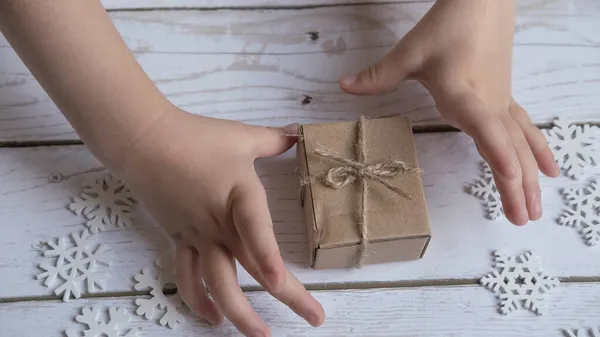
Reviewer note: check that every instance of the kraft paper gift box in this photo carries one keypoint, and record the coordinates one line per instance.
(396, 224)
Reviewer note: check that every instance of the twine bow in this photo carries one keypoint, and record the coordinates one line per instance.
(353, 170)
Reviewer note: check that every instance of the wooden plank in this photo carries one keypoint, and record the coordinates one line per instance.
(259, 67)
(33, 209)
(338, 29)
(432, 311)
(240, 4)
(270, 90)
(574, 7)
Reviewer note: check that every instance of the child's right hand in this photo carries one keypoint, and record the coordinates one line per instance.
(196, 176)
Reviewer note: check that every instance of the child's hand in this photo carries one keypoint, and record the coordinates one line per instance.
(461, 52)
(196, 176)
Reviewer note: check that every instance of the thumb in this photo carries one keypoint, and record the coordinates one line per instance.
(274, 141)
(383, 76)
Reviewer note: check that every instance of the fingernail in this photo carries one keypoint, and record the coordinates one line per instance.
(257, 334)
(348, 80)
(312, 320)
(290, 130)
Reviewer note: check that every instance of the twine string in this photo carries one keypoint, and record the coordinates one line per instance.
(353, 170)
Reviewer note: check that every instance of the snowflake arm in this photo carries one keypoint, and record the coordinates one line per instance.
(171, 318)
(145, 280)
(485, 189)
(69, 287)
(492, 281)
(145, 307)
(117, 317)
(569, 218)
(50, 274)
(574, 146)
(591, 233)
(96, 224)
(582, 212)
(104, 202)
(112, 328)
(158, 301)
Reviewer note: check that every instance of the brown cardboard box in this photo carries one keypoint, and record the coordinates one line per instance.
(398, 228)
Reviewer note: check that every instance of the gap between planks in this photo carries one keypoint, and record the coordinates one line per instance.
(417, 129)
(311, 287)
(261, 8)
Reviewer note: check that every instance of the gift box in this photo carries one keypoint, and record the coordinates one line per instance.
(362, 193)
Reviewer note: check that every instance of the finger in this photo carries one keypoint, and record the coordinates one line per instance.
(529, 169)
(493, 142)
(191, 287)
(293, 294)
(536, 140)
(492, 139)
(270, 142)
(218, 270)
(384, 75)
(253, 223)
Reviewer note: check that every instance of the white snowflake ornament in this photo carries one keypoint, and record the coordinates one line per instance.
(485, 189)
(73, 263)
(520, 282)
(583, 211)
(169, 304)
(574, 146)
(104, 202)
(96, 328)
(593, 332)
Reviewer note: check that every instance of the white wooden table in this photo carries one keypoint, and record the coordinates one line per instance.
(272, 62)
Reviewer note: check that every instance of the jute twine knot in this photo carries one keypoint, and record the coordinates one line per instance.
(358, 169)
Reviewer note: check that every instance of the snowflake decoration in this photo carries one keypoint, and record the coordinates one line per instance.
(574, 146)
(520, 282)
(583, 211)
(159, 300)
(73, 263)
(593, 332)
(89, 317)
(485, 189)
(106, 201)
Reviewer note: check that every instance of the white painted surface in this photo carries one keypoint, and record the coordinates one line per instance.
(468, 311)
(256, 66)
(34, 210)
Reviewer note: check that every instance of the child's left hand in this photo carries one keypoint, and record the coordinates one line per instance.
(461, 51)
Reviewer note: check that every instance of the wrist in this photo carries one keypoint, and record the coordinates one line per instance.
(116, 138)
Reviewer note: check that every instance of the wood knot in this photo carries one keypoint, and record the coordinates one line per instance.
(313, 36)
(306, 100)
(55, 178)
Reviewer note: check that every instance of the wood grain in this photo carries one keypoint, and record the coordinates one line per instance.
(262, 67)
(437, 311)
(37, 183)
